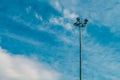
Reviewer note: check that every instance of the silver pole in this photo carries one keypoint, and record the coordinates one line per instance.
(80, 41)
(79, 24)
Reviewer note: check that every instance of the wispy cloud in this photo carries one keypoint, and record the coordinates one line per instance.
(99, 12)
(100, 62)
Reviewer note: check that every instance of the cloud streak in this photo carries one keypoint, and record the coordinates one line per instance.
(100, 62)
(108, 14)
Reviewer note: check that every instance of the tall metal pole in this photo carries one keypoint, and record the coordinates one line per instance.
(80, 24)
(80, 42)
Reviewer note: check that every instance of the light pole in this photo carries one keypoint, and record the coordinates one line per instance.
(80, 24)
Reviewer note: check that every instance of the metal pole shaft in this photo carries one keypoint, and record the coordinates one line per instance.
(80, 24)
(80, 42)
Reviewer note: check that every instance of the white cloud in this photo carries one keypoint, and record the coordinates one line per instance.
(38, 16)
(66, 20)
(61, 21)
(21, 38)
(58, 6)
(28, 9)
(68, 14)
(23, 68)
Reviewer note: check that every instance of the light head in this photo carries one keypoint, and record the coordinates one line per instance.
(76, 24)
(85, 21)
(78, 19)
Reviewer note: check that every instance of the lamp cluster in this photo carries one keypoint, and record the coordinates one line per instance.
(80, 23)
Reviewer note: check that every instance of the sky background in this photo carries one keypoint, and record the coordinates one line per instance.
(39, 42)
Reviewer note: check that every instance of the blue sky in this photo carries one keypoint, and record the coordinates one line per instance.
(37, 38)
